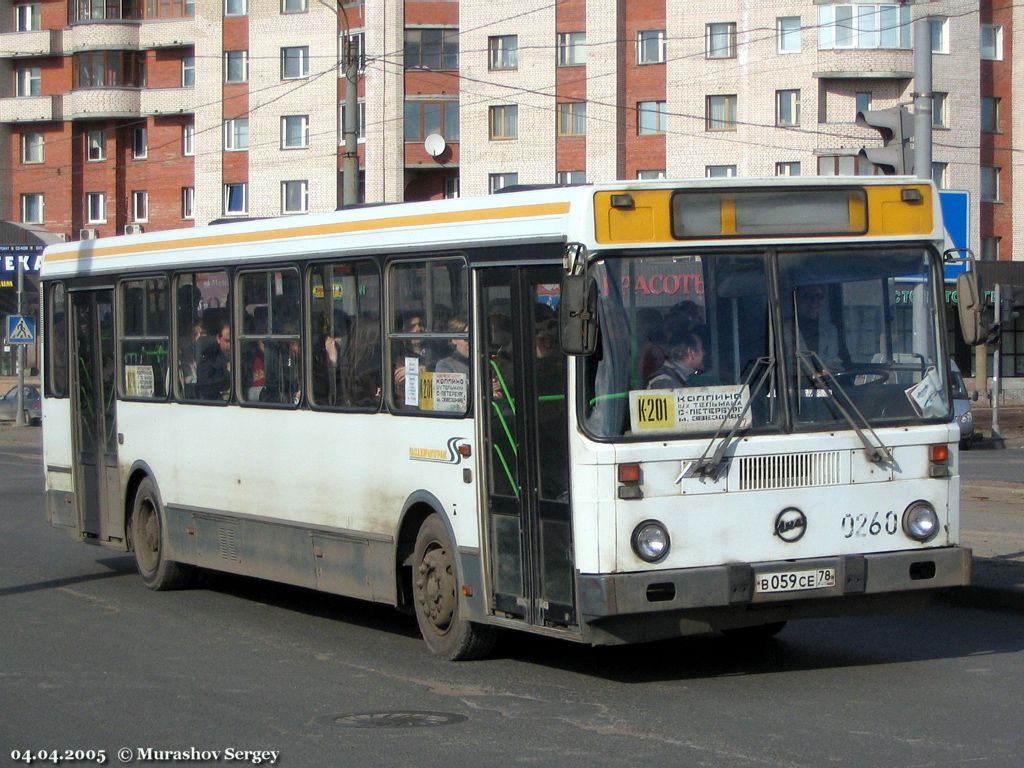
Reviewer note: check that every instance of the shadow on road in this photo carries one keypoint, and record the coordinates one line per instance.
(119, 566)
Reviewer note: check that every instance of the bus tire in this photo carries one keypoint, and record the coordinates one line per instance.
(436, 598)
(147, 542)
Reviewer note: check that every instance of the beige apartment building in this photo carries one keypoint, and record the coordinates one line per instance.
(133, 115)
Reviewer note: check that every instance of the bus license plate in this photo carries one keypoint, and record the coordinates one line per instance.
(793, 581)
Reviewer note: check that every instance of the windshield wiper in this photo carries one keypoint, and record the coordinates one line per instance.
(877, 453)
(712, 466)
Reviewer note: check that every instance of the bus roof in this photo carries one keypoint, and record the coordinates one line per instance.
(555, 214)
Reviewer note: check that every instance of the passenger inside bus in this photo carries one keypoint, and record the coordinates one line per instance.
(363, 374)
(684, 364)
(815, 332)
(413, 322)
(330, 357)
(213, 371)
(458, 360)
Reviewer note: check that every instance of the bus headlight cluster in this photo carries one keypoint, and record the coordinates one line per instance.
(650, 541)
(920, 521)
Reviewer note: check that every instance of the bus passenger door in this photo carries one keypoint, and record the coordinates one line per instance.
(94, 410)
(523, 409)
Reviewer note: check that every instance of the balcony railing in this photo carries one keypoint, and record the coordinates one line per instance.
(168, 101)
(44, 42)
(92, 103)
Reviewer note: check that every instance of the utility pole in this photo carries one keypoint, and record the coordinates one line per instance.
(922, 98)
(350, 167)
(19, 419)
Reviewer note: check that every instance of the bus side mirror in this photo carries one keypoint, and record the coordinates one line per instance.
(971, 308)
(577, 315)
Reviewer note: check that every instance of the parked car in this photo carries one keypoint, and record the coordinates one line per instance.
(9, 405)
(962, 407)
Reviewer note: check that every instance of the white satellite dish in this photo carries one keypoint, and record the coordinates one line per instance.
(434, 144)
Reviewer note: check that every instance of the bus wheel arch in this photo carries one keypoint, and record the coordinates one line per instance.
(145, 533)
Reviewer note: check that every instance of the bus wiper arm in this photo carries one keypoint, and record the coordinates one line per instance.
(879, 454)
(711, 466)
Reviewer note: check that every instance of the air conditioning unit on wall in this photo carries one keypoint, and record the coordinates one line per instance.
(87, 234)
(133, 229)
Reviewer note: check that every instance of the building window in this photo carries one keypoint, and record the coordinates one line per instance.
(991, 42)
(863, 102)
(788, 34)
(360, 121)
(236, 66)
(295, 62)
(572, 49)
(294, 132)
(32, 147)
(990, 183)
(571, 177)
(32, 208)
(938, 28)
(939, 174)
(96, 146)
(29, 81)
(503, 52)
(110, 69)
(787, 169)
(422, 118)
(863, 26)
(436, 49)
(140, 206)
(96, 208)
(845, 165)
(720, 113)
(357, 47)
(188, 202)
(451, 187)
(652, 117)
(651, 174)
(990, 114)
(235, 7)
(188, 140)
(28, 17)
(236, 134)
(650, 46)
(236, 199)
(572, 118)
(990, 250)
(188, 71)
(294, 196)
(140, 143)
(504, 122)
(719, 171)
(293, 6)
(939, 117)
(496, 181)
(720, 41)
(787, 108)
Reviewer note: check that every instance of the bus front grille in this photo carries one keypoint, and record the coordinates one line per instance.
(791, 470)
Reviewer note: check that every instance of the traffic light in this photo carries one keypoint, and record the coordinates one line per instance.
(896, 126)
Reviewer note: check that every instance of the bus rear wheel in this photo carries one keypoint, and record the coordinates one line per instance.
(435, 593)
(147, 541)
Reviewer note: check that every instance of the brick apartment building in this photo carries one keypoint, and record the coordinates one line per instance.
(127, 115)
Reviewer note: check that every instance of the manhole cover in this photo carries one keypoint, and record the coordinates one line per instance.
(394, 719)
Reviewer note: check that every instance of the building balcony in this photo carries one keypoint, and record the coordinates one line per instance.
(167, 33)
(168, 101)
(45, 42)
(865, 64)
(30, 109)
(93, 103)
(102, 35)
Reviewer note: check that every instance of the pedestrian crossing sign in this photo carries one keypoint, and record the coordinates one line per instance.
(21, 329)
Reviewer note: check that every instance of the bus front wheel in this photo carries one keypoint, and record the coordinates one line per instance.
(147, 540)
(436, 596)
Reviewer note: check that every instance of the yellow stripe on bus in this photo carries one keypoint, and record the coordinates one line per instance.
(314, 230)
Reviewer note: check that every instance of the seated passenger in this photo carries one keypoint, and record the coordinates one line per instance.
(213, 372)
(684, 363)
(458, 360)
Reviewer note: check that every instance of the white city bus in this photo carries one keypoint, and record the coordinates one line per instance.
(464, 407)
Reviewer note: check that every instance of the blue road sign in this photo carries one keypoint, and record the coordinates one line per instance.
(21, 329)
(956, 210)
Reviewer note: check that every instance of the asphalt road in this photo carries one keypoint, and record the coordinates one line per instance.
(1005, 466)
(92, 660)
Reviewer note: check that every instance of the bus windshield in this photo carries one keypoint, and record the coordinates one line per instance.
(691, 343)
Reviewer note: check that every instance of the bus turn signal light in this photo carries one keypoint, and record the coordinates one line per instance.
(938, 460)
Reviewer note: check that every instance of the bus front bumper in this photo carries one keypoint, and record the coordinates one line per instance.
(733, 585)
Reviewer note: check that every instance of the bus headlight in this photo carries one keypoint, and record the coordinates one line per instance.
(650, 541)
(920, 521)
